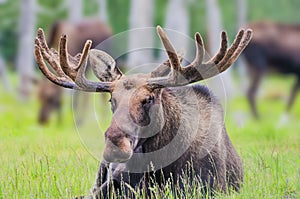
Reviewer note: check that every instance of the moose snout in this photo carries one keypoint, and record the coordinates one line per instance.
(118, 151)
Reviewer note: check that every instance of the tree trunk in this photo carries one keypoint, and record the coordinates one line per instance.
(222, 85)
(75, 10)
(178, 22)
(25, 65)
(103, 11)
(242, 70)
(241, 12)
(141, 41)
(3, 75)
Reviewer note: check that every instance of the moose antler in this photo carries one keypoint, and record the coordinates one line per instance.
(70, 71)
(198, 70)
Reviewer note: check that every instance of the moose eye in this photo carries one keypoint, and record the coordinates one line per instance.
(148, 101)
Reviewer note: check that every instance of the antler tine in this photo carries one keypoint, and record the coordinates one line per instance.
(42, 40)
(173, 57)
(199, 50)
(84, 54)
(63, 58)
(223, 49)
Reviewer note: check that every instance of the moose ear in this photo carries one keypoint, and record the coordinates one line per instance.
(103, 66)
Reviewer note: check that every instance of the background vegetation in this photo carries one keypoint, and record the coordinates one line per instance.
(118, 10)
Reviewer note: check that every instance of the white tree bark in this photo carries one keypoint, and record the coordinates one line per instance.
(3, 75)
(177, 18)
(25, 65)
(242, 12)
(141, 15)
(103, 11)
(75, 8)
(222, 85)
(241, 22)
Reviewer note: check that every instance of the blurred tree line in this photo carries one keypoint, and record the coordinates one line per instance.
(118, 11)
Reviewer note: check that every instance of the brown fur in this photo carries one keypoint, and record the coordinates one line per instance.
(78, 32)
(50, 96)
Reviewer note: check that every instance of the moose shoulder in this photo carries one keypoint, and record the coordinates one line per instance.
(161, 128)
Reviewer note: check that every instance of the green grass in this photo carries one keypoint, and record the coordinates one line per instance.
(61, 161)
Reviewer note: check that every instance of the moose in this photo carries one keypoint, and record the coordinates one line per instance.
(50, 95)
(161, 128)
(269, 52)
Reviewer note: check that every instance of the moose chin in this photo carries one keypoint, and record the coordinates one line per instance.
(161, 129)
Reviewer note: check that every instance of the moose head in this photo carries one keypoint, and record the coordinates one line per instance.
(135, 99)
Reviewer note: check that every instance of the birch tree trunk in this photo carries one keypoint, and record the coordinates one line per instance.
(222, 87)
(178, 22)
(25, 65)
(241, 22)
(141, 15)
(75, 8)
(103, 11)
(242, 12)
(3, 75)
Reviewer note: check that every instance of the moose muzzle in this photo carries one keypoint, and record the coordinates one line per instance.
(118, 151)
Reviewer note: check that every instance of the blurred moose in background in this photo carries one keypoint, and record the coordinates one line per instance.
(50, 95)
(275, 47)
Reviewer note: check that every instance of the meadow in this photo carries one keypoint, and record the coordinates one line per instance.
(61, 160)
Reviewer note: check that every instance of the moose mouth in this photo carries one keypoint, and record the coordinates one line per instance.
(123, 150)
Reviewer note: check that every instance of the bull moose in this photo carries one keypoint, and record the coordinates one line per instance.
(274, 47)
(161, 128)
(50, 95)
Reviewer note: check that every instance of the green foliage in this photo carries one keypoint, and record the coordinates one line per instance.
(9, 29)
(118, 11)
(278, 10)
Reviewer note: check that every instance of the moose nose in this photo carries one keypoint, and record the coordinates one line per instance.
(120, 151)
